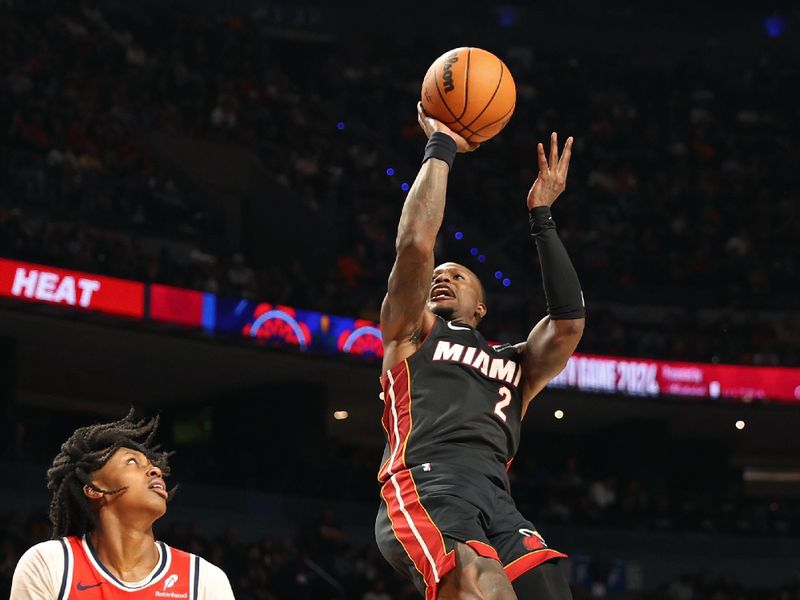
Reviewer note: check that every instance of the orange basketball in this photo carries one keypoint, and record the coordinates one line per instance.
(471, 91)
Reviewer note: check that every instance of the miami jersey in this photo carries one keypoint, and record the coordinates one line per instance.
(457, 400)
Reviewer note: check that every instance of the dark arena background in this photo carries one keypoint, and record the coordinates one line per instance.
(198, 204)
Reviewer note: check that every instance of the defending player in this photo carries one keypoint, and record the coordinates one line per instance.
(108, 490)
(454, 404)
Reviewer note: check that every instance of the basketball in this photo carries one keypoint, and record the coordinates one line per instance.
(471, 91)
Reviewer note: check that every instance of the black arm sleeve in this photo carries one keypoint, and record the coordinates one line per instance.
(561, 286)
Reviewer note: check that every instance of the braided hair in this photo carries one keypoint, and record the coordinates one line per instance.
(86, 451)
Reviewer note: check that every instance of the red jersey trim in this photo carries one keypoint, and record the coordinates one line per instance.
(416, 531)
(526, 562)
(396, 417)
(483, 549)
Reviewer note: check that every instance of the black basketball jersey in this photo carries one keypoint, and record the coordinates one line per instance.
(456, 400)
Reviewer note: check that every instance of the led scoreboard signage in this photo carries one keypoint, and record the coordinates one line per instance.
(638, 377)
(318, 333)
(304, 330)
(49, 285)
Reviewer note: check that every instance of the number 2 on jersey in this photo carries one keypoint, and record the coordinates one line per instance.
(505, 400)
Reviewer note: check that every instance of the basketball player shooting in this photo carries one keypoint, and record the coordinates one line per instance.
(454, 404)
(108, 490)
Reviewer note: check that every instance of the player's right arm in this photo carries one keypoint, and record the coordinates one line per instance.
(405, 321)
(38, 573)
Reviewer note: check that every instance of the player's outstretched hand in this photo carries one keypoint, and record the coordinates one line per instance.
(552, 178)
(429, 125)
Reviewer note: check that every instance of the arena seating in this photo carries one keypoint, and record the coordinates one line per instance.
(666, 156)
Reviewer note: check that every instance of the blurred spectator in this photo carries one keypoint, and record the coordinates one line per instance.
(282, 568)
(377, 592)
(669, 161)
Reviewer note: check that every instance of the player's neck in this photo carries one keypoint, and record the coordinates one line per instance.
(470, 322)
(129, 553)
(456, 318)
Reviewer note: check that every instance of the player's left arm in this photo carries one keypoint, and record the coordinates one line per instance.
(553, 340)
(214, 584)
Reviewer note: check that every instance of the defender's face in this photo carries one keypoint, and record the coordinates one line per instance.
(455, 293)
(145, 489)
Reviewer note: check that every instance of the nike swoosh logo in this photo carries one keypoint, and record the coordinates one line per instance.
(456, 327)
(82, 587)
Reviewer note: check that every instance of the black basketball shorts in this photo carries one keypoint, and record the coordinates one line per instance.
(427, 508)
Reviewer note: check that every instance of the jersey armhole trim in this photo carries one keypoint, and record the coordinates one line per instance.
(63, 589)
(196, 583)
(437, 320)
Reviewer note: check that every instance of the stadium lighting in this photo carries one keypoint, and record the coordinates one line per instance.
(775, 25)
(559, 414)
(740, 424)
(341, 415)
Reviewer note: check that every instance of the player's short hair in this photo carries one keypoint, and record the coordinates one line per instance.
(86, 451)
(481, 287)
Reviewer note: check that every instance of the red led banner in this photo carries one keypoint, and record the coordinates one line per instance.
(176, 305)
(39, 283)
(638, 377)
(327, 334)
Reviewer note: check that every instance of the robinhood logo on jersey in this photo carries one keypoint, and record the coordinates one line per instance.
(170, 581)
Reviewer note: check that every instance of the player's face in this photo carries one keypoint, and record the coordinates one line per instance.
(145, 492)
(456, 294)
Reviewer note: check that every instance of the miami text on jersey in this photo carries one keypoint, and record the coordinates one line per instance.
(493, 368)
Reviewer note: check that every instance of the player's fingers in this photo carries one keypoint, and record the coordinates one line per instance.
(541, 158)
(553, 150)
(422, 119)
(563, 163)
